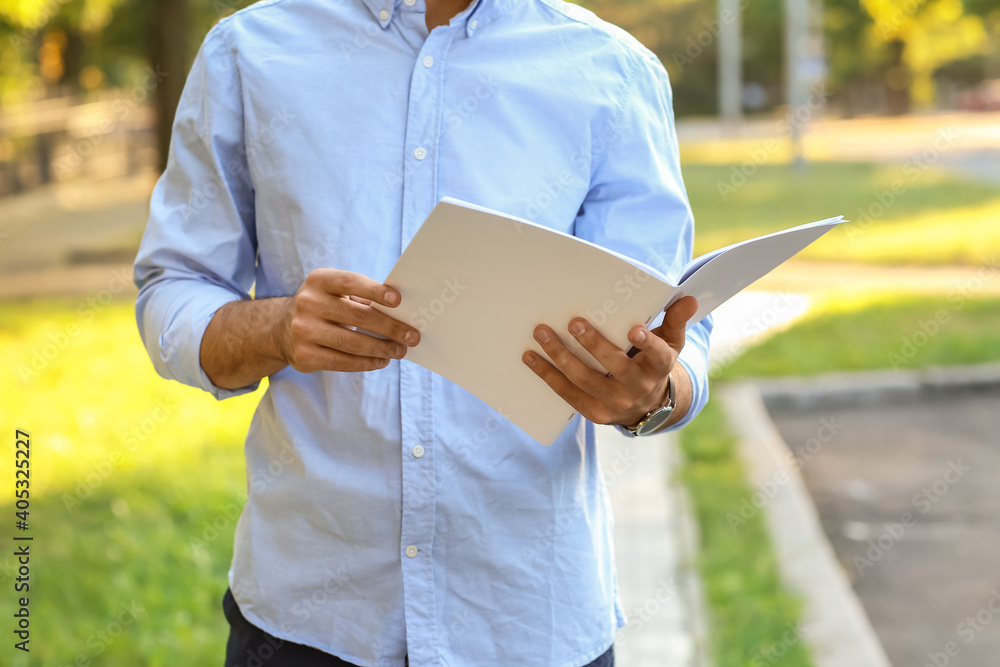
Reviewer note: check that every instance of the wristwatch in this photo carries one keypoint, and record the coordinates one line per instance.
(653, 420)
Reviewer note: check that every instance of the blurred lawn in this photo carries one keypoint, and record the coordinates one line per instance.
(128, 470)
(879, 331)
(933, 219)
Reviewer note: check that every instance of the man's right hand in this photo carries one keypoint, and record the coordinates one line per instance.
(311, 331)
(319, 323)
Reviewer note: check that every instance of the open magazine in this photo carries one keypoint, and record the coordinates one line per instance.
(476, 282)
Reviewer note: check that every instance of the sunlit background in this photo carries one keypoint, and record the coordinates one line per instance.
(787, 112)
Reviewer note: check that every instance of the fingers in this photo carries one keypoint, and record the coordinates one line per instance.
(349, 283)
(317, 357)
(592, 393)
(321, 321)
(333, 296)
(578, 399)
(610, 356)
(317, 344)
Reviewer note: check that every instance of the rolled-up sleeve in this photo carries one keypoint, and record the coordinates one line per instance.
(637, 204)
(199, 249)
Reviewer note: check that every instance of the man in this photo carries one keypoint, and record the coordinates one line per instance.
(392, 518)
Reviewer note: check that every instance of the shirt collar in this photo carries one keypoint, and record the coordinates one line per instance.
(477, 14)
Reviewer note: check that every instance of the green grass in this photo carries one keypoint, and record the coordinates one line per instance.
(750, 612)
(880, 332)
(127, 470)
(934, 219)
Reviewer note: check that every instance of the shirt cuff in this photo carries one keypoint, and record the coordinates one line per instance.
(175, 347)
(694, 359)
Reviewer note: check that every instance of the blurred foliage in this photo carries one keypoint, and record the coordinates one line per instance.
(51, 47)
(873, 44)
(58, 46)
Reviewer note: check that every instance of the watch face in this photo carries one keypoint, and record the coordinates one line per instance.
(655, 421)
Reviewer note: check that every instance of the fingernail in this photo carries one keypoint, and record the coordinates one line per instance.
(530, 360)
(544, 335)
(391, 298)
(400, 350)
(577, 328)
(639, 337)
(410, 337)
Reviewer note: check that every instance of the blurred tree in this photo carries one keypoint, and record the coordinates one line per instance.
(63, 47)
(881, 52)
(169, 22)
(921, 36)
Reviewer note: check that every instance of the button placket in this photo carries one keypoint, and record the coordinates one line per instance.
(418, 490)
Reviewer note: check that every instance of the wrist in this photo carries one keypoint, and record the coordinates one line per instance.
(657, 417)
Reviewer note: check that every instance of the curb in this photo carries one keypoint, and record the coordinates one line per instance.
(834, 624)
(842, 390)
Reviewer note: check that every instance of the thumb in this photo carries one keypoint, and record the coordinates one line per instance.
(674, 327)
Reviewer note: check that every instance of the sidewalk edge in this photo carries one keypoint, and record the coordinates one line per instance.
(834, 624)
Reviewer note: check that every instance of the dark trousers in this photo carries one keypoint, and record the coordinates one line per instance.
(249, 646)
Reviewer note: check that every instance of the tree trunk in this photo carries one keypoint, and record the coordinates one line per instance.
(168, 55)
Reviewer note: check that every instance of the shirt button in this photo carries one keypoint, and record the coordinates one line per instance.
(410, 3)
(418, 451)
(428, 61)
(473, 24)
(383, 15)
(411, 551)
(420, 153)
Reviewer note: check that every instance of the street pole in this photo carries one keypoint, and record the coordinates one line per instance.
(796, 93)
(730, 65)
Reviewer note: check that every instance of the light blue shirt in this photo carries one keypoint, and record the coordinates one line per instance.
(391, 512)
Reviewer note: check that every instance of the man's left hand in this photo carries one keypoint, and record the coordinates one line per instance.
(635, 386)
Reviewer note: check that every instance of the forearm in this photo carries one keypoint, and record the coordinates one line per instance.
(242, 342)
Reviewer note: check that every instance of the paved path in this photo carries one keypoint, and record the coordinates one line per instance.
(968, 143)
(655, 541)
(73, 224)
(908, 496)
